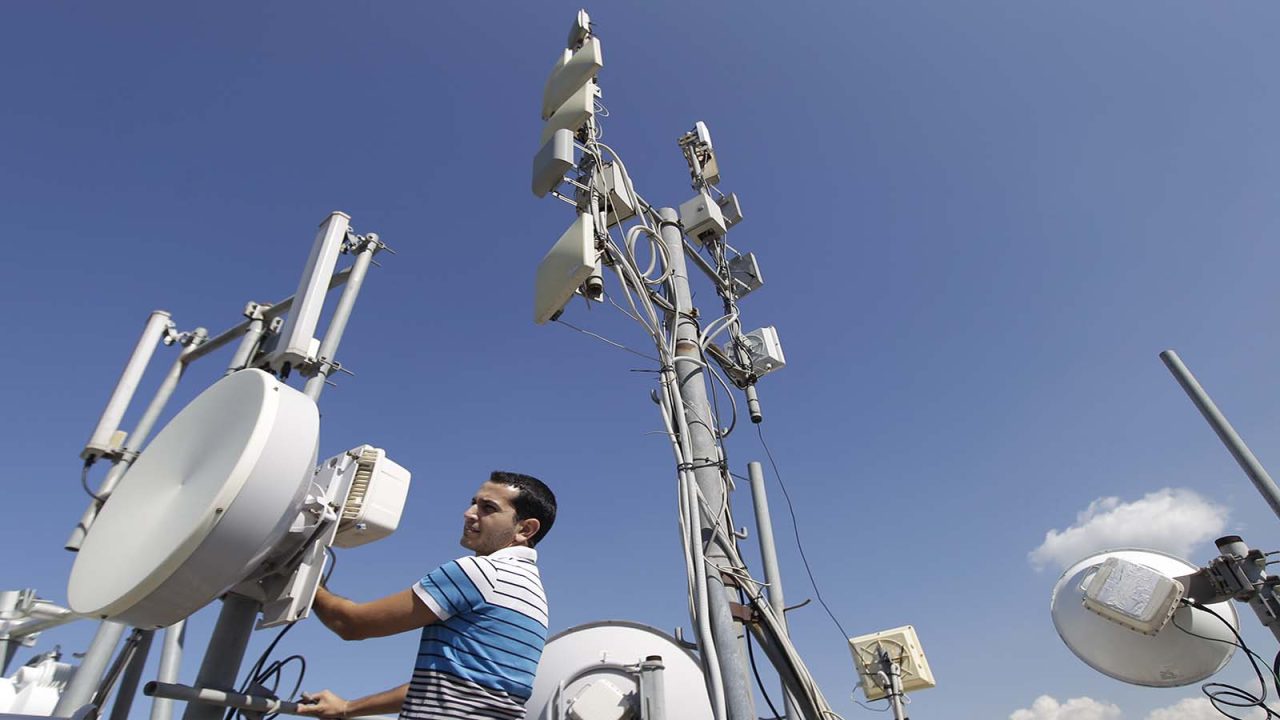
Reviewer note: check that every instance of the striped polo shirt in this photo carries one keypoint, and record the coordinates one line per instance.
(479, 660)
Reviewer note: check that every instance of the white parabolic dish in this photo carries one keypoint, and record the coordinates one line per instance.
(588, 653)
(210, 496)
(1171, 657)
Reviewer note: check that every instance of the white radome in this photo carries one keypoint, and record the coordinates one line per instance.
(1170, 658)
(205, 502)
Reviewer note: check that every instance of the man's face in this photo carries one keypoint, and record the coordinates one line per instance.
(490, 523)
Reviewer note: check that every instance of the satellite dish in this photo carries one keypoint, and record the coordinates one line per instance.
(583, 664)
(206, 501)
(1170, 658)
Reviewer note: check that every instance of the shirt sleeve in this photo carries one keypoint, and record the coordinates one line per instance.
(449, 590)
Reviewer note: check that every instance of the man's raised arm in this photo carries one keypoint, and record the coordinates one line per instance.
(392, 614)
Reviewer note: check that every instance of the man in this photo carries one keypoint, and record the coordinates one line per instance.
(483, 618)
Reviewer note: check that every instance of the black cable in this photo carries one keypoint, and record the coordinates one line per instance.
(1224, 693)
(84, 482)
(261, 673)
(333, 563)
(754, 670)
(795, 526)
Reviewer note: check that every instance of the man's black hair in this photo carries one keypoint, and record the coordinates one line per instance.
(535, 500)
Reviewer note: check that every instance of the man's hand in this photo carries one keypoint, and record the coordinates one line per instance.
(323, 704)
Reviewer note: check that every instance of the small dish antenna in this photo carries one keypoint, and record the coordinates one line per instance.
(608, 670)
(205, 503)
(1170, 657)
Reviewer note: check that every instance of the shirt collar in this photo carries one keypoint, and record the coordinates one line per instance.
(516, 552)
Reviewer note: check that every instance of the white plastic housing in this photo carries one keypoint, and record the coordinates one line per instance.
(1172, 657)
(702, 218)
(297, 336)
(744, 271)
(573, 70)
(552, 162)
(204, 504)
(611, 182)
(573, 114)
(569, 263)
(1132, 595)
(375, 501)
(731, 209)
(599, 701)
(903, 646)
(34, 690)
(764, 351)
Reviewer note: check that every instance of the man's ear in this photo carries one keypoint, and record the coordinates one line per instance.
(527, 528)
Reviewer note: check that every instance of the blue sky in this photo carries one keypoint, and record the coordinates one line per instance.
(978, 224)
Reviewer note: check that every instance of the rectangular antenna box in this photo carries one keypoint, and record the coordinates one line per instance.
(569, 263)
(903, 646)
(702, 218)
(612, 184)
(1132, 595)
(572, 71)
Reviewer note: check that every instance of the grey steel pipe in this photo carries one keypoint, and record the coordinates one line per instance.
(226, 649)
(84, 683)
(653, 693)
(135, 442)
(739, 696)
(248, 343)
(213, 699)
(132, 675)
(1235, 444)
(341, 315)
(100, 440)
(170, 663)
(268, 314)
(769, 556)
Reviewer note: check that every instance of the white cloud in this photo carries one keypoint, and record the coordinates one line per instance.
(1174, 520)
(1081, 708)
(1199, 708)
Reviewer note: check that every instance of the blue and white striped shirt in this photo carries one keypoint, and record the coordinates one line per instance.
(480, 659)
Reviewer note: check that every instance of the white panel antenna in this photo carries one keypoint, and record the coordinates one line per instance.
(206, 502)
(613, 185)
(551, 163)
(574, 113)
(571, 73)
(903, 647)
(580, 30)
(569, 263)
(297, 341)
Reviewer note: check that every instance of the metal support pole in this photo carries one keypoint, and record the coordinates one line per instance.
(100, 441)
(9, 600)
(135, 442)
(132, 675)
(226, 649)
(84, 683)
(893, 673)
(1235, 444)
(249, 341)
(341, 314)
(706, 461)
(1261, 593)
(215, 700)
(653, 693)
(170, 662)
(769, 555)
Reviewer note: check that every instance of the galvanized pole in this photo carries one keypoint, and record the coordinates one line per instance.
(222, 659)
(170, 663)
(135, 441)
(1258, 474)
(341, 314)
(707, 471)
(84, 683)
(769, 556)
(100, 440)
